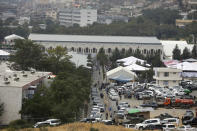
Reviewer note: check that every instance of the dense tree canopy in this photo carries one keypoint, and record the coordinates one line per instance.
(194, 52)
(28, 54)
(186, 54)
(176, 53)
(69, 92)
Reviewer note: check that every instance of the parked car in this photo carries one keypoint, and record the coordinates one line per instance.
(131, 126)
(141, 126)
(192, 122)
(89, 120)
(49, 122)
(174, 121)
(186, 128)
(153, 127)
(153, 105)
(168, 127)
(107, 122)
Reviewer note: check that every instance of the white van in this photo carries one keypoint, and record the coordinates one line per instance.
(174, 121)
(168, 127)
(141, 126)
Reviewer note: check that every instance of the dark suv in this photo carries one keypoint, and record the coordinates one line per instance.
(192, 122)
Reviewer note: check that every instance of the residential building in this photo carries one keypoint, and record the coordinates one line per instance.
(51, 14)
(9, 40)
(108, 19)
(6, 15)
(23, 20)
(16, 86)
(4, 55)
(167, 77)
(89, 44)
(82, 17)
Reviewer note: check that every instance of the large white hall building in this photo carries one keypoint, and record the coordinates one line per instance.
(89, 44)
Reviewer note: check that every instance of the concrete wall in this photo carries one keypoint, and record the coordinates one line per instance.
(12, 99)
(91, 48)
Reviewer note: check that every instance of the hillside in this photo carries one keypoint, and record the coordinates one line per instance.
(80, 127)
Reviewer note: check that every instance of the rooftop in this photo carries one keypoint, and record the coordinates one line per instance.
(164, 69)
(94, 39)
(18, 78)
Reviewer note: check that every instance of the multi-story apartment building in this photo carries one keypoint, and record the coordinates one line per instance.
(15, 86)
(167, 76)
(82, 17)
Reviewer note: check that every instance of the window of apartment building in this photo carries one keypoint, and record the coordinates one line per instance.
(174, 73)
(165, 83)
(174, 81)
(166, 74)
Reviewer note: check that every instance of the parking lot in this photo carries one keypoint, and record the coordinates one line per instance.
(109, 102)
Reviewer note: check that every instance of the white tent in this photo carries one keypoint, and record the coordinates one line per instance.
(130, 60)
(4, 53)
(121, 74)
(13, 37)
(135, 67)
(169, 45)
(190, 60)
(186, 66)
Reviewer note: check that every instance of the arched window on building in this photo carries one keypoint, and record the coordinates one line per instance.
(123, 50)
(87, 50)
(72, 49)
(109, 50)
(152, 51)
(50, 48)
(65, 48)
(79, 50)
(145, 51)
(94, 50)
(159, 51)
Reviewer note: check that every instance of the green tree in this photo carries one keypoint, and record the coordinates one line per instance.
(102, 57)
(176, 53)
(116, 54)
(57, 58)
(186, 53)
(28, 54)
(194, 52)
(39, 106)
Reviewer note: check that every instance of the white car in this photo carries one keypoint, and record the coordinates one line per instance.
(141, 126)
(114, 97)
(131, 126)
(172, 121)
(168, 127)
(186, 128)
(49, 122)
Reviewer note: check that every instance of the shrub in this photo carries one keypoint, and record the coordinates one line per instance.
(17, 124)
(93, 129)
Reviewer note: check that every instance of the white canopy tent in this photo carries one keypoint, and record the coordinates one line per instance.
(186, 66)
(121, 74)
(130, 60)
(13, 37)
(169, 45)
(135, 67)
(4, 53)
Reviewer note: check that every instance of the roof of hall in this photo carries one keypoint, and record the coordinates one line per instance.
(94, 39)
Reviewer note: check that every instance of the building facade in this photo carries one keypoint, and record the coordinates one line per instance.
(91, 44)
(16, 86)
(82, 17)
(167, 77)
